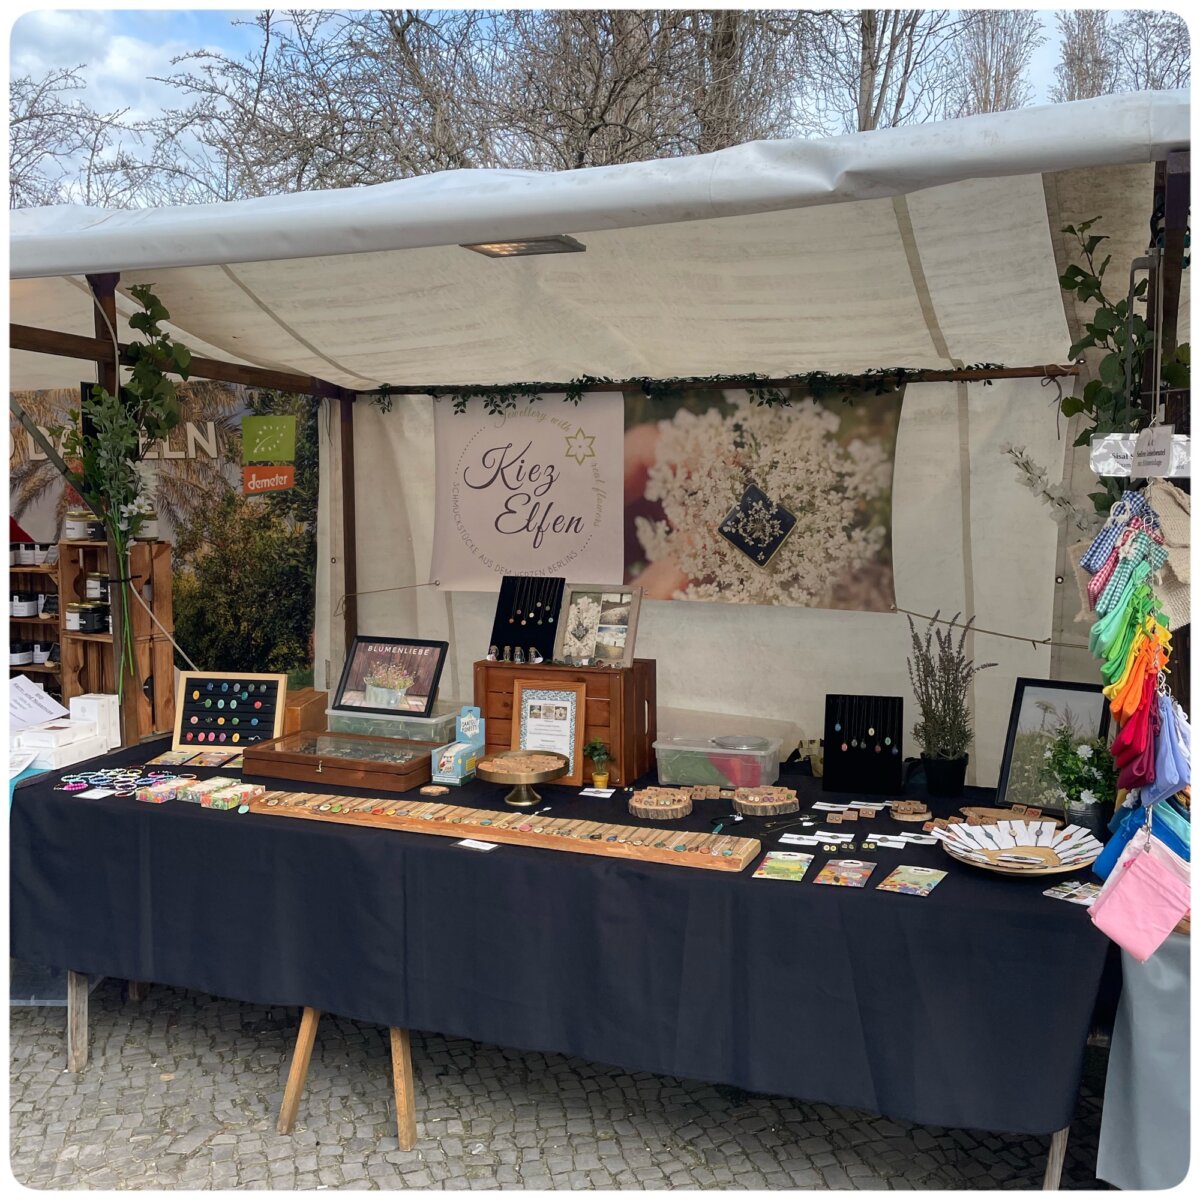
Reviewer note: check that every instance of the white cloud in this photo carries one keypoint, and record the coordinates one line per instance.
(121, 51)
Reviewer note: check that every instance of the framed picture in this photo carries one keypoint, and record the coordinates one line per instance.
(598, 624)
(1041, 707)
(391, 676)
(227, 710)
(551, 718)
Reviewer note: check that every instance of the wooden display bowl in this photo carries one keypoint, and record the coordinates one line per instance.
(522, 795)
(1052, 865)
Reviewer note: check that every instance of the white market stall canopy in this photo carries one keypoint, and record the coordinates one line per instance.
(924, 246)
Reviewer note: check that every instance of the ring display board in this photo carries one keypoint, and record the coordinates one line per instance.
(228, 709)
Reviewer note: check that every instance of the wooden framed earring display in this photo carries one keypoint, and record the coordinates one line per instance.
(228, 710)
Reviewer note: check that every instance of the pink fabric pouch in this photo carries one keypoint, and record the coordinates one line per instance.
(1142, 905)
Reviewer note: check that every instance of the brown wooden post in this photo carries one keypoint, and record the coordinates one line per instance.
(349, 535)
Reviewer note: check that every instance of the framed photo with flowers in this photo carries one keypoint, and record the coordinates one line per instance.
(393, 676)
(1056, 752)
(598, 624)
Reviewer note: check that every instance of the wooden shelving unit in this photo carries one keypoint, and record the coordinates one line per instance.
(37, 629)
(87, 660)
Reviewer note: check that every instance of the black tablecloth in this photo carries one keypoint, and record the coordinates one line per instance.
(968, 1008)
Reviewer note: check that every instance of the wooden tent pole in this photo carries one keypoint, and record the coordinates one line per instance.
(349, 528)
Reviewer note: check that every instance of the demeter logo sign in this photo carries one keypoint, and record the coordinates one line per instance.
(267, 479)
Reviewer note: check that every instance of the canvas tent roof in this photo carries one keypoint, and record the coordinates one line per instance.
(923, 246)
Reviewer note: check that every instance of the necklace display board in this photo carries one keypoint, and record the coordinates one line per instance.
(527, 612)
(863, 736)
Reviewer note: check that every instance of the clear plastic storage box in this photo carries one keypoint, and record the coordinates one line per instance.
(437, 728)
(731, 761)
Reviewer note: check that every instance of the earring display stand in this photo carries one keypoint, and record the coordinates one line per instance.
(527, 612)
(863, 738)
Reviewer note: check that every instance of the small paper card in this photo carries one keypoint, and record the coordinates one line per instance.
(912, 881)
(97, 793)
(472, 844)
(603, 793)
(783, 864)
(172, 758)
(845, 872)
(1075, 892)
(212, 758)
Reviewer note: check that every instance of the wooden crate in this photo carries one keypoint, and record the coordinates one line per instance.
(305, 709)
(620, 710)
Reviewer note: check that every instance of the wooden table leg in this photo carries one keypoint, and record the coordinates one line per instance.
(1055, 1160)
(299, 1069)
(77, 1021)
(402, 1082)
(137, 990)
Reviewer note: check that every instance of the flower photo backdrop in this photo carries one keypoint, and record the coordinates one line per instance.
(729, 501)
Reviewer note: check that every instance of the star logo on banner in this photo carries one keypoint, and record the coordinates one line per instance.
(580, 446)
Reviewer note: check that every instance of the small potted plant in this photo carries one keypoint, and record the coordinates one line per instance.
(386, 686)
(597, 751)
(941, 677)
(1081, 777)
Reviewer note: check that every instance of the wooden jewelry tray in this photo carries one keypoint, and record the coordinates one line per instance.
(345, 759)
(707, 851)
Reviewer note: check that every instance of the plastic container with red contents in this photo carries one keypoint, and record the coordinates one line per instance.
(733, 761)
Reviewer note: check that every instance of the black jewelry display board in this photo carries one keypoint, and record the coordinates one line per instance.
(218, 710)
(863, 737)
(527, 612)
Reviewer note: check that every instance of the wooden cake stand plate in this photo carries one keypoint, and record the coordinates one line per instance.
(522, 794)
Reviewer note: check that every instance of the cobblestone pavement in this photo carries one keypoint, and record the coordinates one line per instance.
(182, 1091)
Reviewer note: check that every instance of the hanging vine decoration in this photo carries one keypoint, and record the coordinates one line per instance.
(499, 399)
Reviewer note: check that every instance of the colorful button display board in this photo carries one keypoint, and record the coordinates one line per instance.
(217, 710)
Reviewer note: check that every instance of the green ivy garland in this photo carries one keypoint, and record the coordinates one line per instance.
(499, 399)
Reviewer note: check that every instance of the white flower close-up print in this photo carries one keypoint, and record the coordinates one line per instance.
(705, 462)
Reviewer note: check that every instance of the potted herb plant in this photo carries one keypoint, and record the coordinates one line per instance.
(597, 751)
(386, 685)
(941, 677)
(1081, 777)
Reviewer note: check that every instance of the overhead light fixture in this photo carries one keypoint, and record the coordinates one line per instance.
(559, 243)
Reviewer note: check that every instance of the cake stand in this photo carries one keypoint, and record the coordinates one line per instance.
(523, 795)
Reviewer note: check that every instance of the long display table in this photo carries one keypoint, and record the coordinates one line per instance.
(968, 1008)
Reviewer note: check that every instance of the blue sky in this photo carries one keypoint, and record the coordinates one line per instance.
(124, 48)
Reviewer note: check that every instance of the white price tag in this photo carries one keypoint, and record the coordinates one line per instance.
(472, 844)
(1152, 452)
(96, 793)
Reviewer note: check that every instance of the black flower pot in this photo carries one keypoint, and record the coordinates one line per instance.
(945, 776)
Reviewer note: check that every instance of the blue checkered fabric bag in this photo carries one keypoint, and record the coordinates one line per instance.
(1132, 504)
